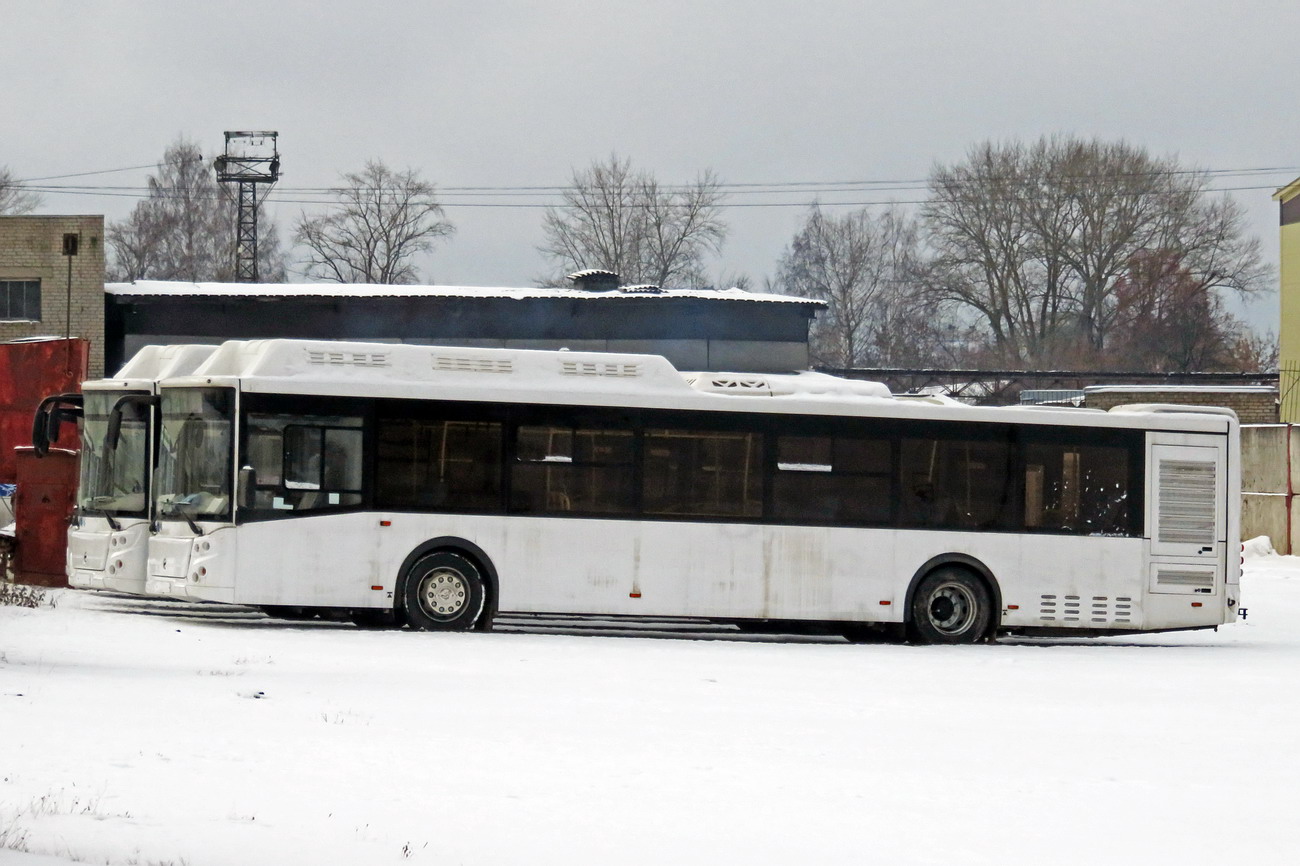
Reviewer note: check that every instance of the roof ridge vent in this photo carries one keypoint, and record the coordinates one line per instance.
(347, 358)
(731, 383)
(641, 289)
(594, 280)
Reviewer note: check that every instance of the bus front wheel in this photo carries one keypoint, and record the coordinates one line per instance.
(950, 606)
(444, 591)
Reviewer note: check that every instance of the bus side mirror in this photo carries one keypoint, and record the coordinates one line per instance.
(247, 483)
(114, 433)
(50, 415)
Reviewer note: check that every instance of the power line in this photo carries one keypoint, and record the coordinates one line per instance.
(780, 187)
(125, 192)
(90, 173)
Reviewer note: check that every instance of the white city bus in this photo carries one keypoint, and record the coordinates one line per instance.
(439, 487)
(108, 541)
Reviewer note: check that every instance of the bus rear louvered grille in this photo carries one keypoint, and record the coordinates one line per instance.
(457, 364)
(1186, 502)
(1185, 578)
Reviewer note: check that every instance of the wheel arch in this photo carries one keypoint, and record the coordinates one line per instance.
(471, 551)
(969, 563)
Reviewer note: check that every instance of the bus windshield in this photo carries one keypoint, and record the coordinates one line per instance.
(114, 481)
(194, 453)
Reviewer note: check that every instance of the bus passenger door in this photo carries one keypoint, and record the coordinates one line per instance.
(1186, 482)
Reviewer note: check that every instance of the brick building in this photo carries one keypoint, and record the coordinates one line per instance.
(36, 282)
(1254, 404)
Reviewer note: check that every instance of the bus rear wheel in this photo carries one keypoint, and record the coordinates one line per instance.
(444, 591)
(951, 606)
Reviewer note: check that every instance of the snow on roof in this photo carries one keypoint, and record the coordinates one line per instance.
(603, 379)
(167, 288)
(161, 362)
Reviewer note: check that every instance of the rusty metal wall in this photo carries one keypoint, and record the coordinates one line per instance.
(29, 372)
(47, 490)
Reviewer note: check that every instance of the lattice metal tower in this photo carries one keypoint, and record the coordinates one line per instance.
(251, 158)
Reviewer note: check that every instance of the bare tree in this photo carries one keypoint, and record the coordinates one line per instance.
(867, 269)
(1167, 320)
(184, 229)
(627, 222)
(382, 219)
(1036, 239)
(14, 199)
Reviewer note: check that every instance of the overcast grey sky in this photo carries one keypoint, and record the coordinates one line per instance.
(511, 94)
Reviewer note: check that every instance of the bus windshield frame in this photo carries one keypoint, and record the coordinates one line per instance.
(195, 478)
(114, 481)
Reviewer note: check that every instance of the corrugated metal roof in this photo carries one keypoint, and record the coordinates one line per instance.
(165, 288)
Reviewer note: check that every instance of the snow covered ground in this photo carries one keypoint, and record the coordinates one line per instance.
(136, 731)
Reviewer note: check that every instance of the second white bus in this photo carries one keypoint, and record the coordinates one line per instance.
(440, 487)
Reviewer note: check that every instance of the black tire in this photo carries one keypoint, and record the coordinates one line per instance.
(444, 591)
(951, 606)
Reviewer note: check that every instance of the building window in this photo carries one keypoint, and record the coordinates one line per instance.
(20, 300)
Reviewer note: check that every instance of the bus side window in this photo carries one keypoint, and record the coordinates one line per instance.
(571, 470)
(304, 462)
(823, 479)
(703, 472)
(956, 483)
(435, 463)
(1077, 488)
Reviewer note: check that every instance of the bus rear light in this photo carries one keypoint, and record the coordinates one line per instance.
(202, 571)
(119, 563)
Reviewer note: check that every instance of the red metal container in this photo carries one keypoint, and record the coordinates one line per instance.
(30, 371)
(47, 490)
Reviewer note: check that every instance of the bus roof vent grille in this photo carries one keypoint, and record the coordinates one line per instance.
(461, 364)
(617, 369)
(731, 383)
(335, 358)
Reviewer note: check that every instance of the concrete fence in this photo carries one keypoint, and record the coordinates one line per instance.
(1270, 475)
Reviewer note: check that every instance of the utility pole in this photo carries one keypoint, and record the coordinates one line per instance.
(71, 243)
(251, 158)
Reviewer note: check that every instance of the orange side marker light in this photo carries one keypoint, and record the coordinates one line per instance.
(385, 523)
(885, 602)
(376, 587)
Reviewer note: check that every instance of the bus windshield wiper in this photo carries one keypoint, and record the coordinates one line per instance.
(178, 508)
(96, 507)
